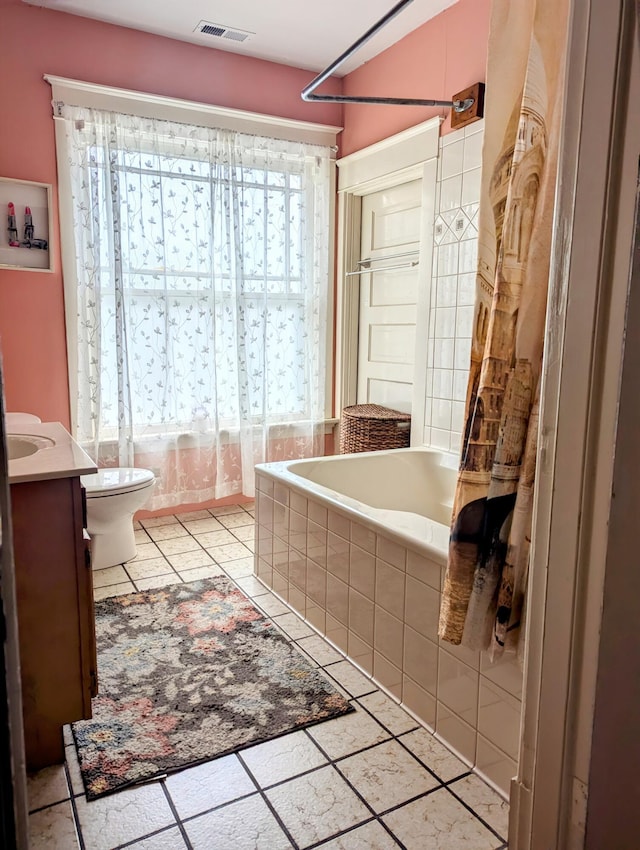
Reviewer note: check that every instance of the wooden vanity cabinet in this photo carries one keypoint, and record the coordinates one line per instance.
(55, 612)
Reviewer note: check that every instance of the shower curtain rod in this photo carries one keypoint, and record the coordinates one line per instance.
(307, 93)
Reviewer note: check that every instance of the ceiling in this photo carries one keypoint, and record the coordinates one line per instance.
(301, 33)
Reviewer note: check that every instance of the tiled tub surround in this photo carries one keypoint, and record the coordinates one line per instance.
(369, 578)
(453, 285)
(372, 779)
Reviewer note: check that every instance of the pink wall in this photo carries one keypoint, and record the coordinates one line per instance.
(37, 41)
(436, 60)
(440, 58)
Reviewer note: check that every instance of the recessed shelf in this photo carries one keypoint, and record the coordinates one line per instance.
(27, 223)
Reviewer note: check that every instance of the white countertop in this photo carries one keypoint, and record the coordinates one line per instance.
(62, 459)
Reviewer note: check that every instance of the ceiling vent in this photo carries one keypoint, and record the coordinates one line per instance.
(220, 31)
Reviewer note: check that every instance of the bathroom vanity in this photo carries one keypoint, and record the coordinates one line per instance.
(53, 586)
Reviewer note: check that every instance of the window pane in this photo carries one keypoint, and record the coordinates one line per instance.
(211, 273)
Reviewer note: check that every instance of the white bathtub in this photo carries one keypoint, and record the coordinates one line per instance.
(357, 544)
(405, 493)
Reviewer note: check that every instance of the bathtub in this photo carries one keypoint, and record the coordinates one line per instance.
(357, 545)
(405, 493)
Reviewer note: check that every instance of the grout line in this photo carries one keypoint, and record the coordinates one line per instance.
(392, 834)
(159, 575)
(417, 728)
(345, 688)
(74, 808)
(67, 777)
(363, 800)
(396, 735)
(420, 761)
(49, 805)
(173, 808)
(473, 812)
(464, 775)
(344, 833)
(107, 586)
(268, 802)
(337, 759)
(308, 658)
(411, 800)
(160, 831)
(306, 772)
(217, 808)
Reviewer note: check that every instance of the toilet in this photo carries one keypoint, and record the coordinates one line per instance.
(113, 497)
(16, 421)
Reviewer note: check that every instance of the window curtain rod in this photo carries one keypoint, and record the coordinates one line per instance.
(307, 93)
(66, 91)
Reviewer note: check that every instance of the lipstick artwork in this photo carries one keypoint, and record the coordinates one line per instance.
(28, 225)
(29, 241)
(13, 230)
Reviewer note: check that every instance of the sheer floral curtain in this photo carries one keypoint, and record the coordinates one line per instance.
(200, 287)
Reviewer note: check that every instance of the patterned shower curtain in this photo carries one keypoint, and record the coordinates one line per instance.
(482, 605)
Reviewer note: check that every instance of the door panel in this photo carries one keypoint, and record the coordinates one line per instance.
(402, 289)
(388, 393)
(391, 222)
(395, 228)
(392, 344)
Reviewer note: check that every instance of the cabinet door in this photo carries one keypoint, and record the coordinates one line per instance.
(55, 613)
(91, 636)
(86, 620)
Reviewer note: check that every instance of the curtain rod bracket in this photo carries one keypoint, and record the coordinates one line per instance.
(463, 105)
(466, 106)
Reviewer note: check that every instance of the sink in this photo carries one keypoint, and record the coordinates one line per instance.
(23, 445)
(42, 452)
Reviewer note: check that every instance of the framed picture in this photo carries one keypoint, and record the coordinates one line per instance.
(25, 212)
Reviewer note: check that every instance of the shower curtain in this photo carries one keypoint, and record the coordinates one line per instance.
(482, 605)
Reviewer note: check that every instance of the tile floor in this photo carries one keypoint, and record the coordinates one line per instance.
(371, 780)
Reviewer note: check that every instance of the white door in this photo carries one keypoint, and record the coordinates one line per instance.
(391, 226)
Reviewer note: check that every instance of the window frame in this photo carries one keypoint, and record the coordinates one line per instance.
(159, 107)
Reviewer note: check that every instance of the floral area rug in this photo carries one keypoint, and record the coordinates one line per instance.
(188, 673)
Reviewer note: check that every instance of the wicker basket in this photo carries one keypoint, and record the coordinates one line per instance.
(371, 427)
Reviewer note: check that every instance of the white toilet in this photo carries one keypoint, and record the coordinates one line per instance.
(18, 421)
(113, 496)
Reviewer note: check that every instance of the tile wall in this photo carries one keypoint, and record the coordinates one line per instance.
(455, 254)
(378, 602)
(478, 703)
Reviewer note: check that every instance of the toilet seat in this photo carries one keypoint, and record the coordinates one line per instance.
(114, 481)
(19, 420)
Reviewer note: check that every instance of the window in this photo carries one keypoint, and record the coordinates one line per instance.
(197, 297)
(179, 278)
